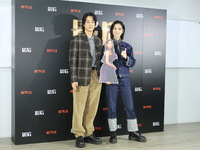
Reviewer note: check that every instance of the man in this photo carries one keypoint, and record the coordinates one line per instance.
(84, 60)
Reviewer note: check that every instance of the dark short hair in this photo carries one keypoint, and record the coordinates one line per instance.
(85, 16)
(112, 26)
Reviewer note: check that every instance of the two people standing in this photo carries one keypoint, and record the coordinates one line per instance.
(84, 58)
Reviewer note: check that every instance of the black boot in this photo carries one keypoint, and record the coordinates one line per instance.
(80, 142)
(92, 139)
(113, 137)
(136, 136)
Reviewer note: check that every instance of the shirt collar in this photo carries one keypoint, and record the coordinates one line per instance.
(92, 38)
(117, 41)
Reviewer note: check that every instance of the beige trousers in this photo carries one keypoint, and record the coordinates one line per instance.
(85, 105)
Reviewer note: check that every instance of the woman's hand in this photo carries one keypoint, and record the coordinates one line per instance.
(123, 53)
(114, 67)
(106, 53)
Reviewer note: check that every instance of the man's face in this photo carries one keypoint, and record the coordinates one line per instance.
(89, 24)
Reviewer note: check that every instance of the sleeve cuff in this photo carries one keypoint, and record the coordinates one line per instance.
(127, 61)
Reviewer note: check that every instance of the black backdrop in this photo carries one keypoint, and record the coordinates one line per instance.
(42, 95)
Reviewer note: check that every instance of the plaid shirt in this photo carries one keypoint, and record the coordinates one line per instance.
(80, 59)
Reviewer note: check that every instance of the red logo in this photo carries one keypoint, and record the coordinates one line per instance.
(105, 108)
(157, 89)
(26, 7)
(119, 14)
(26, 92)
(52, 50)
(147, 107)
(63, 111)
(148, 34)
(98, 128)
(139, 52)
(39, 71)
(140, 125)
(71, 91)
(131, 71)
(76, 10)
(158, 17)
(51, 132)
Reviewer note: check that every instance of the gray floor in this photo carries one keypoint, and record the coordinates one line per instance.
(175, 137)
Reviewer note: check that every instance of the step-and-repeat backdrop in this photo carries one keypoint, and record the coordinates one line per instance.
(42, 94)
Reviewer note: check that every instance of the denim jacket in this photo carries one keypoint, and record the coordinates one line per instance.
(121, 63)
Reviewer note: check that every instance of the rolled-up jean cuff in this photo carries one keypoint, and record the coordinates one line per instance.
(112, 124)
(132, 125)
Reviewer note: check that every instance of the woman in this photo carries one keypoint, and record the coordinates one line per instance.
(107, 71)
(124, 61)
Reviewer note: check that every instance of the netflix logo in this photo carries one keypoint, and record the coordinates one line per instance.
(105, 108)
(158, 17)
(147, 107)
(39, 71)
(26, 7)
(63, 111)
(51, 132)
(52, 50)
(75, 10)
(119, 14)
(156, 88)
(98, 128)
(139, 52)
(131, 70)
(26, 92)
(148, 34)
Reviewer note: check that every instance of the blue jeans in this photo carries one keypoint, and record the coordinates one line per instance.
(112, 93)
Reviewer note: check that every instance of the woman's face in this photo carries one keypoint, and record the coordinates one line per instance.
(117, 31)
(109, 45)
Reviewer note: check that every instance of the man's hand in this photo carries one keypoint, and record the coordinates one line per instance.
(75, 85)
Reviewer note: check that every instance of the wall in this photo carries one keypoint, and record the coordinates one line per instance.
(181, 89)
(5, 102)
(182, 95)
(5, 69)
